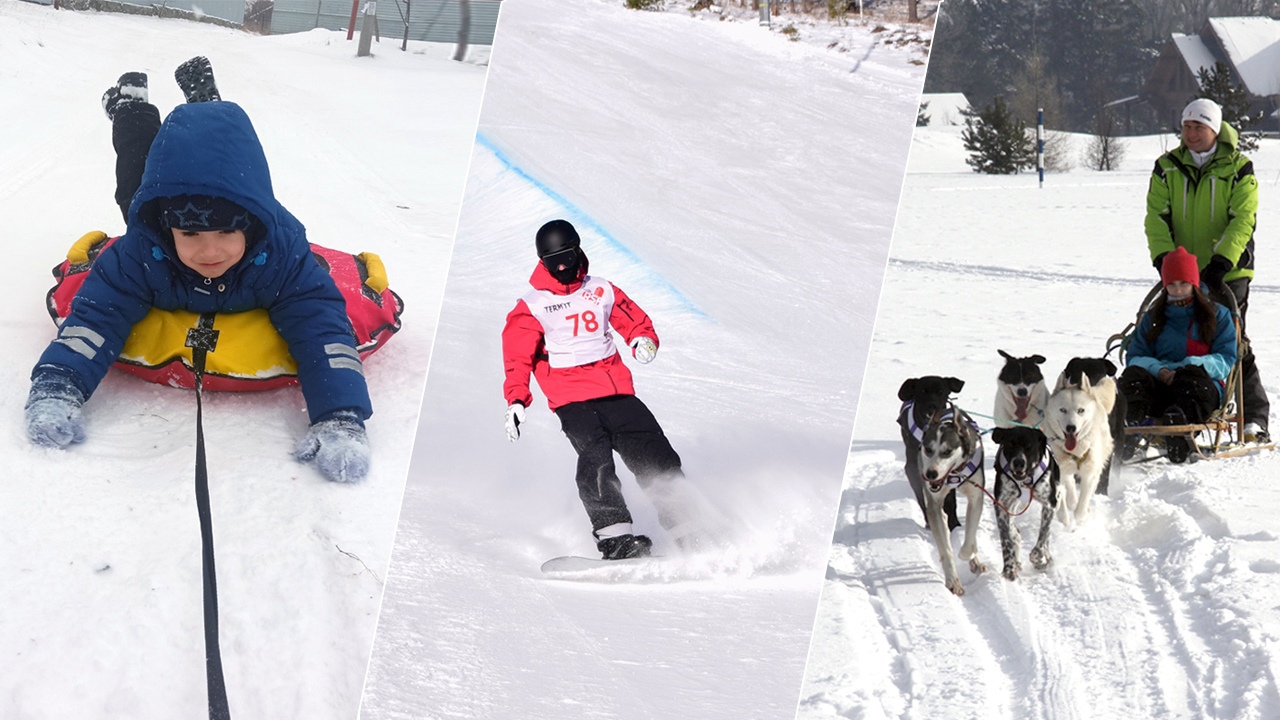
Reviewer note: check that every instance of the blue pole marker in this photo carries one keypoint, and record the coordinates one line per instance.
(1040, 143)
(582, 218)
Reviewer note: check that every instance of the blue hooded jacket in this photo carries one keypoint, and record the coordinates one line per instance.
(211, 149)
(1170, 349)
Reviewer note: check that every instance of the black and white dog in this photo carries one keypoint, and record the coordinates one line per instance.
(1021, 394)
(1101, 373)
(943, 457)
(1025, 469)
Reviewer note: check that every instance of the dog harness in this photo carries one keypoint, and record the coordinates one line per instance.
(958, 476)
(1025, 486)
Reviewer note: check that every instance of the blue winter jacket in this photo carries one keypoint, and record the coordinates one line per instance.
(1171, 349)
(211, 149)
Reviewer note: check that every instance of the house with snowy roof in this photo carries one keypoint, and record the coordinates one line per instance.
(1248, 46)
(944, 108)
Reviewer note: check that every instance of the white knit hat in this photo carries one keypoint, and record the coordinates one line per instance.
(1204, 111)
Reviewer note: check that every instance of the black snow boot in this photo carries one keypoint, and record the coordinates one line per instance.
(195, 77)
(1177, 446)
(130, 88)
(624, 546)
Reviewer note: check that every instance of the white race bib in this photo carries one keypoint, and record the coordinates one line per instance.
(575, 327)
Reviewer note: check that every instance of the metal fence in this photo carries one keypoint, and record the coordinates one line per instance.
(434, 20)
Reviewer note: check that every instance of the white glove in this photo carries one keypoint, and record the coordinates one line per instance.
(339, 446)
(644, 350)
(515, 417)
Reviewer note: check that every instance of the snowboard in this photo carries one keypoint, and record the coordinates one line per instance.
(578, 564)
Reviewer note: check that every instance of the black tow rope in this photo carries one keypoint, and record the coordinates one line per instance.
(202, 339)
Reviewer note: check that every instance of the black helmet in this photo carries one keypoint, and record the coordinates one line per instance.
(556, 236)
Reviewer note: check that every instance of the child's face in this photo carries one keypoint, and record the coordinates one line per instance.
(210, 253)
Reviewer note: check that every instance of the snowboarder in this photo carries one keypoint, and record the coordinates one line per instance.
(562, 331)
(1203, 197)
(205, 234)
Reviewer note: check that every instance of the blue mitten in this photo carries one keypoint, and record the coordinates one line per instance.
(339, 446)
(53, 410)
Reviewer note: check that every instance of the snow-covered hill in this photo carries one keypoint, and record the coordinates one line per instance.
(100, 606)
(1164, 604)
(741, 188)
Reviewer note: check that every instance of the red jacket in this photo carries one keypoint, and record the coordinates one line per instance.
(524, 351)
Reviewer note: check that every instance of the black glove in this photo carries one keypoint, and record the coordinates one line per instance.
(1159, 262)
(1217, 269)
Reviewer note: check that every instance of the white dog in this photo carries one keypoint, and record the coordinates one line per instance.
(1080, 436)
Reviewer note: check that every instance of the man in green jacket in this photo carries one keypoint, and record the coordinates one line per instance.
(1204, 197)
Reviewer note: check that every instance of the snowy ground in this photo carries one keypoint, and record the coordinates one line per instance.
(1164, 604)
(101, 564)
(717, 176)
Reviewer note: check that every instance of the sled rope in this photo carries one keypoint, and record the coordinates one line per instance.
(997, 502)
(202, 339)
(992, 417)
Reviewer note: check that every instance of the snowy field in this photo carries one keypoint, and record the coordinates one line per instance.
(717, 175)
(101, 598)
(1164, 604)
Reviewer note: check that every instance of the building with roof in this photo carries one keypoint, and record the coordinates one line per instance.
(1248, 46)
(944, 108)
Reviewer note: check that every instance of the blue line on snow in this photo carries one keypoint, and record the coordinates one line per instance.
(583, 218)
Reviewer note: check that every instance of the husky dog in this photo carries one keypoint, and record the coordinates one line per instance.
(924, 399)
(1020, 391)
(1101, 373)
(944, 456)
(951, 462)
(1076, 425)
(1025, 469)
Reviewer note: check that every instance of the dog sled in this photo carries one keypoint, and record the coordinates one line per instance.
(1221, 435)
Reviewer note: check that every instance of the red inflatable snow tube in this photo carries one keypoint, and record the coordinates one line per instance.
(250, 355)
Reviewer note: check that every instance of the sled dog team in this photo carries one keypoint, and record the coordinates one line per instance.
(1054, 447)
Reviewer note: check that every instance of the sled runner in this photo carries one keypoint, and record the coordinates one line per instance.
(1222, 434)
(251, 354)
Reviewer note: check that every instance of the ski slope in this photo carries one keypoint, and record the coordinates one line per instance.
(101, 598)
(1164, 604)
(741, 189)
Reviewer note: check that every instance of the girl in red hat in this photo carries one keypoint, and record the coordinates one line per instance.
(1180, 355)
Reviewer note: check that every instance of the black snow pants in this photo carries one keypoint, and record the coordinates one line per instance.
(622, 423)
(134, 128)
(1192, 391)
(1257, 408)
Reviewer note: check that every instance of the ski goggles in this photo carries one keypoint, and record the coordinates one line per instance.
(561, 260)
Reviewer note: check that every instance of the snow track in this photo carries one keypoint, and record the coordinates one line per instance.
(1103, 632)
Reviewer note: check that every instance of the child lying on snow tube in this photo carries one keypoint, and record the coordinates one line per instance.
(206, 235)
